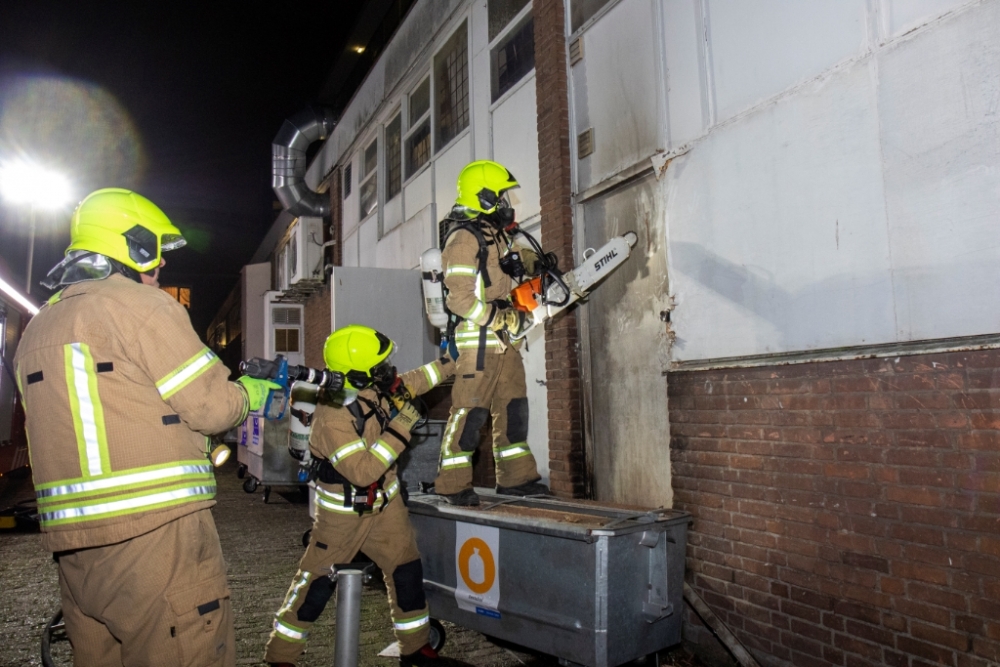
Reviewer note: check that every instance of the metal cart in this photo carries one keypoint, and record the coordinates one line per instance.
(587, 583)
(262, 453)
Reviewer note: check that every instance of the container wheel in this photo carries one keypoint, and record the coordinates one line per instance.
(250, 484)
(305, 538)
(267, 493)
(437, 635)
(241, 471)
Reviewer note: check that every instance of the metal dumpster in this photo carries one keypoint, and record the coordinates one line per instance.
(584, 582)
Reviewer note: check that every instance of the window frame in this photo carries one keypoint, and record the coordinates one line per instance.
(410, 128)
(436, 149)
(515, 24)
(364, 178)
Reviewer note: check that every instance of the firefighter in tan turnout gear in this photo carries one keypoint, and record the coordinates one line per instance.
(358, 504)
(489, 378)
(120, 395)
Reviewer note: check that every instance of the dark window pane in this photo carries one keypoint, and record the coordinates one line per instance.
(513, 58)
(347, 180)
(393, 158)
(418, 148)
(371, 159)
(451, 74)
(582, 10)
(501, 12)
(369, 196)
(420, 101)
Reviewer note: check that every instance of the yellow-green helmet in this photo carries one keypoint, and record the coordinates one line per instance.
(481, 185)
(124, 226)
(359, 352)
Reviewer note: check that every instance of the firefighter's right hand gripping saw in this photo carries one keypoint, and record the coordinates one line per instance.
(544, 296)
(282, 374)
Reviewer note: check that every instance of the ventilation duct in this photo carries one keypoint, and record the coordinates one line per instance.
(288, 161)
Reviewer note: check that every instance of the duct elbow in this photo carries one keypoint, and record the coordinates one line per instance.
(288, 161)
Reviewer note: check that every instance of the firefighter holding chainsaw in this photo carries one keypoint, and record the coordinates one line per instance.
(479, 261)
(355, 445)
(120, 394)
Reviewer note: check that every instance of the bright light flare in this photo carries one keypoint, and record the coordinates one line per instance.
(25, 182)
(10, 291)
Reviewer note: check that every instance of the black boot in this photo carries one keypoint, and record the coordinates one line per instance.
(532, 488)
(464, 498)
(425, 657)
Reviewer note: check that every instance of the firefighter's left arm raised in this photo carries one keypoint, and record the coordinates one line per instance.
(362, 462)
(187, 374)
(423, 379)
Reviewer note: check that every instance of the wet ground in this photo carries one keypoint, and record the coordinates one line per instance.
(262, 543)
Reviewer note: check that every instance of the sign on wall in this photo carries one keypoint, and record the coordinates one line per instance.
(477, 568)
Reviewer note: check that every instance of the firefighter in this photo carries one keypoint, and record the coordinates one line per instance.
(489, 378)
(120, 397)
(358, 507)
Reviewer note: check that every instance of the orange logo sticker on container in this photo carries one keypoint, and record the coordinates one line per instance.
(477, 565)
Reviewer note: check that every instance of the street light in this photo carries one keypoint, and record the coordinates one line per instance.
(24, 182)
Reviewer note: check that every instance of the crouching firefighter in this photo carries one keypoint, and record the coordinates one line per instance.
(358, 504)
(489, 379)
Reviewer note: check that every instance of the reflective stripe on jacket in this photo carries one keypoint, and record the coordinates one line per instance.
(119, 394)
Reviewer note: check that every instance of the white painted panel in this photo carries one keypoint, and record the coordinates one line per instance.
(900, 16)
(446, 169)
(760, 48)
(392, 213)
(615, 92)
(515, 146)
(479, 81)
(419, 194)
(350, 207)
(367, 241)
(939, 102)
(387, 251)
(416, 235)
(778, 237)
(351, 249)
(533, 354)
(687, 97)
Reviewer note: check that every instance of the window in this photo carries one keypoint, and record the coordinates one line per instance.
(369, 179)
(513, 57)
(347, 180)
(582, 11)
(418, 142)
(451, 85)
(286, 340)
(287, 323)
(393, 157)
(502, 12)
(180, 294)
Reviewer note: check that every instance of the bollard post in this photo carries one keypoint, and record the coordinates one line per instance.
(348, 618)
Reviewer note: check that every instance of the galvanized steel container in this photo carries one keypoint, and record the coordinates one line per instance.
(585, 582)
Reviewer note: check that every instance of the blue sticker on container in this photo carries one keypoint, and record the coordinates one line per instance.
(487, 612)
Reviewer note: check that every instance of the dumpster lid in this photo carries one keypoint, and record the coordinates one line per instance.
(575, 519)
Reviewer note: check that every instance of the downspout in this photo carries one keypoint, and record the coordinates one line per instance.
(288, 161)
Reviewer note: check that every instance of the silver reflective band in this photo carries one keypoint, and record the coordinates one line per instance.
(125, 504)
(124, 480)
(346, 450)
(283, 629)
(512, 451)
(431, 372)
(410, 625)
(184, 375)
(294, 593)
(384, 454)
(88, 419)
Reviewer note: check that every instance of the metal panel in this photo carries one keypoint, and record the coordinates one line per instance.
(367, 241)
(901, 16)
(687, 99)
(760, 48)
(939, 95)
(628, 350)
(615, 91)
(447, 166)
(418, 193)
(515, 145)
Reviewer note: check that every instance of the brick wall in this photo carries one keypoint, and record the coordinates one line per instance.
(562, 370)
(846, 513)
(317, 326)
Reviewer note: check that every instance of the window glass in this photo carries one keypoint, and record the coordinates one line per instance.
(418, 148)
(369, 186)
(420, 101)
(286, 340)
(582, 11)
(393, 157)
(512, 58)
(347, 180)
(502, 12)
(371, 159)
(180, 294)
(451, 76)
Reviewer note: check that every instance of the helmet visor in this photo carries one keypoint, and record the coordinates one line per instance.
(172, 242)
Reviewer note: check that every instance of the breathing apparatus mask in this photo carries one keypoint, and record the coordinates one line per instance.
(82, 265)
(502, 218)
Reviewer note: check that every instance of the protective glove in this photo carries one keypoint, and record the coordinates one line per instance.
(510, 320)
(256, 390)
(407, 416)
(529, 260)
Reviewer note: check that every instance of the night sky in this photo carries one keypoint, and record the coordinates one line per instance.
(178, 101)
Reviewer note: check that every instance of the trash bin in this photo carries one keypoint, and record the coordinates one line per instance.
(585, 582)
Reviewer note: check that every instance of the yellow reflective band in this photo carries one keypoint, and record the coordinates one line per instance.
(290, 632)
(293, 593)
(459, 270)
(334, 502)
(346, 450)
(126, 505)
(186, 372)
(88, 415)
(431, 373)
(511, 452)
(415, 624)
(458, 461)
(476, 311)
(129, 479)
(449, 432)
(383, 453)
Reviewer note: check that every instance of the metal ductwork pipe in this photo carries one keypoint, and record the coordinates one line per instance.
(288, 161)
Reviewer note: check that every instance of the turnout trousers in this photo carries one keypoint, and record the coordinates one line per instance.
(489, 384)
(388, 539)
(159, 599)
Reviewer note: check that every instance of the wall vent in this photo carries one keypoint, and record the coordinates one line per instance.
(585, 143)
(576, 51)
